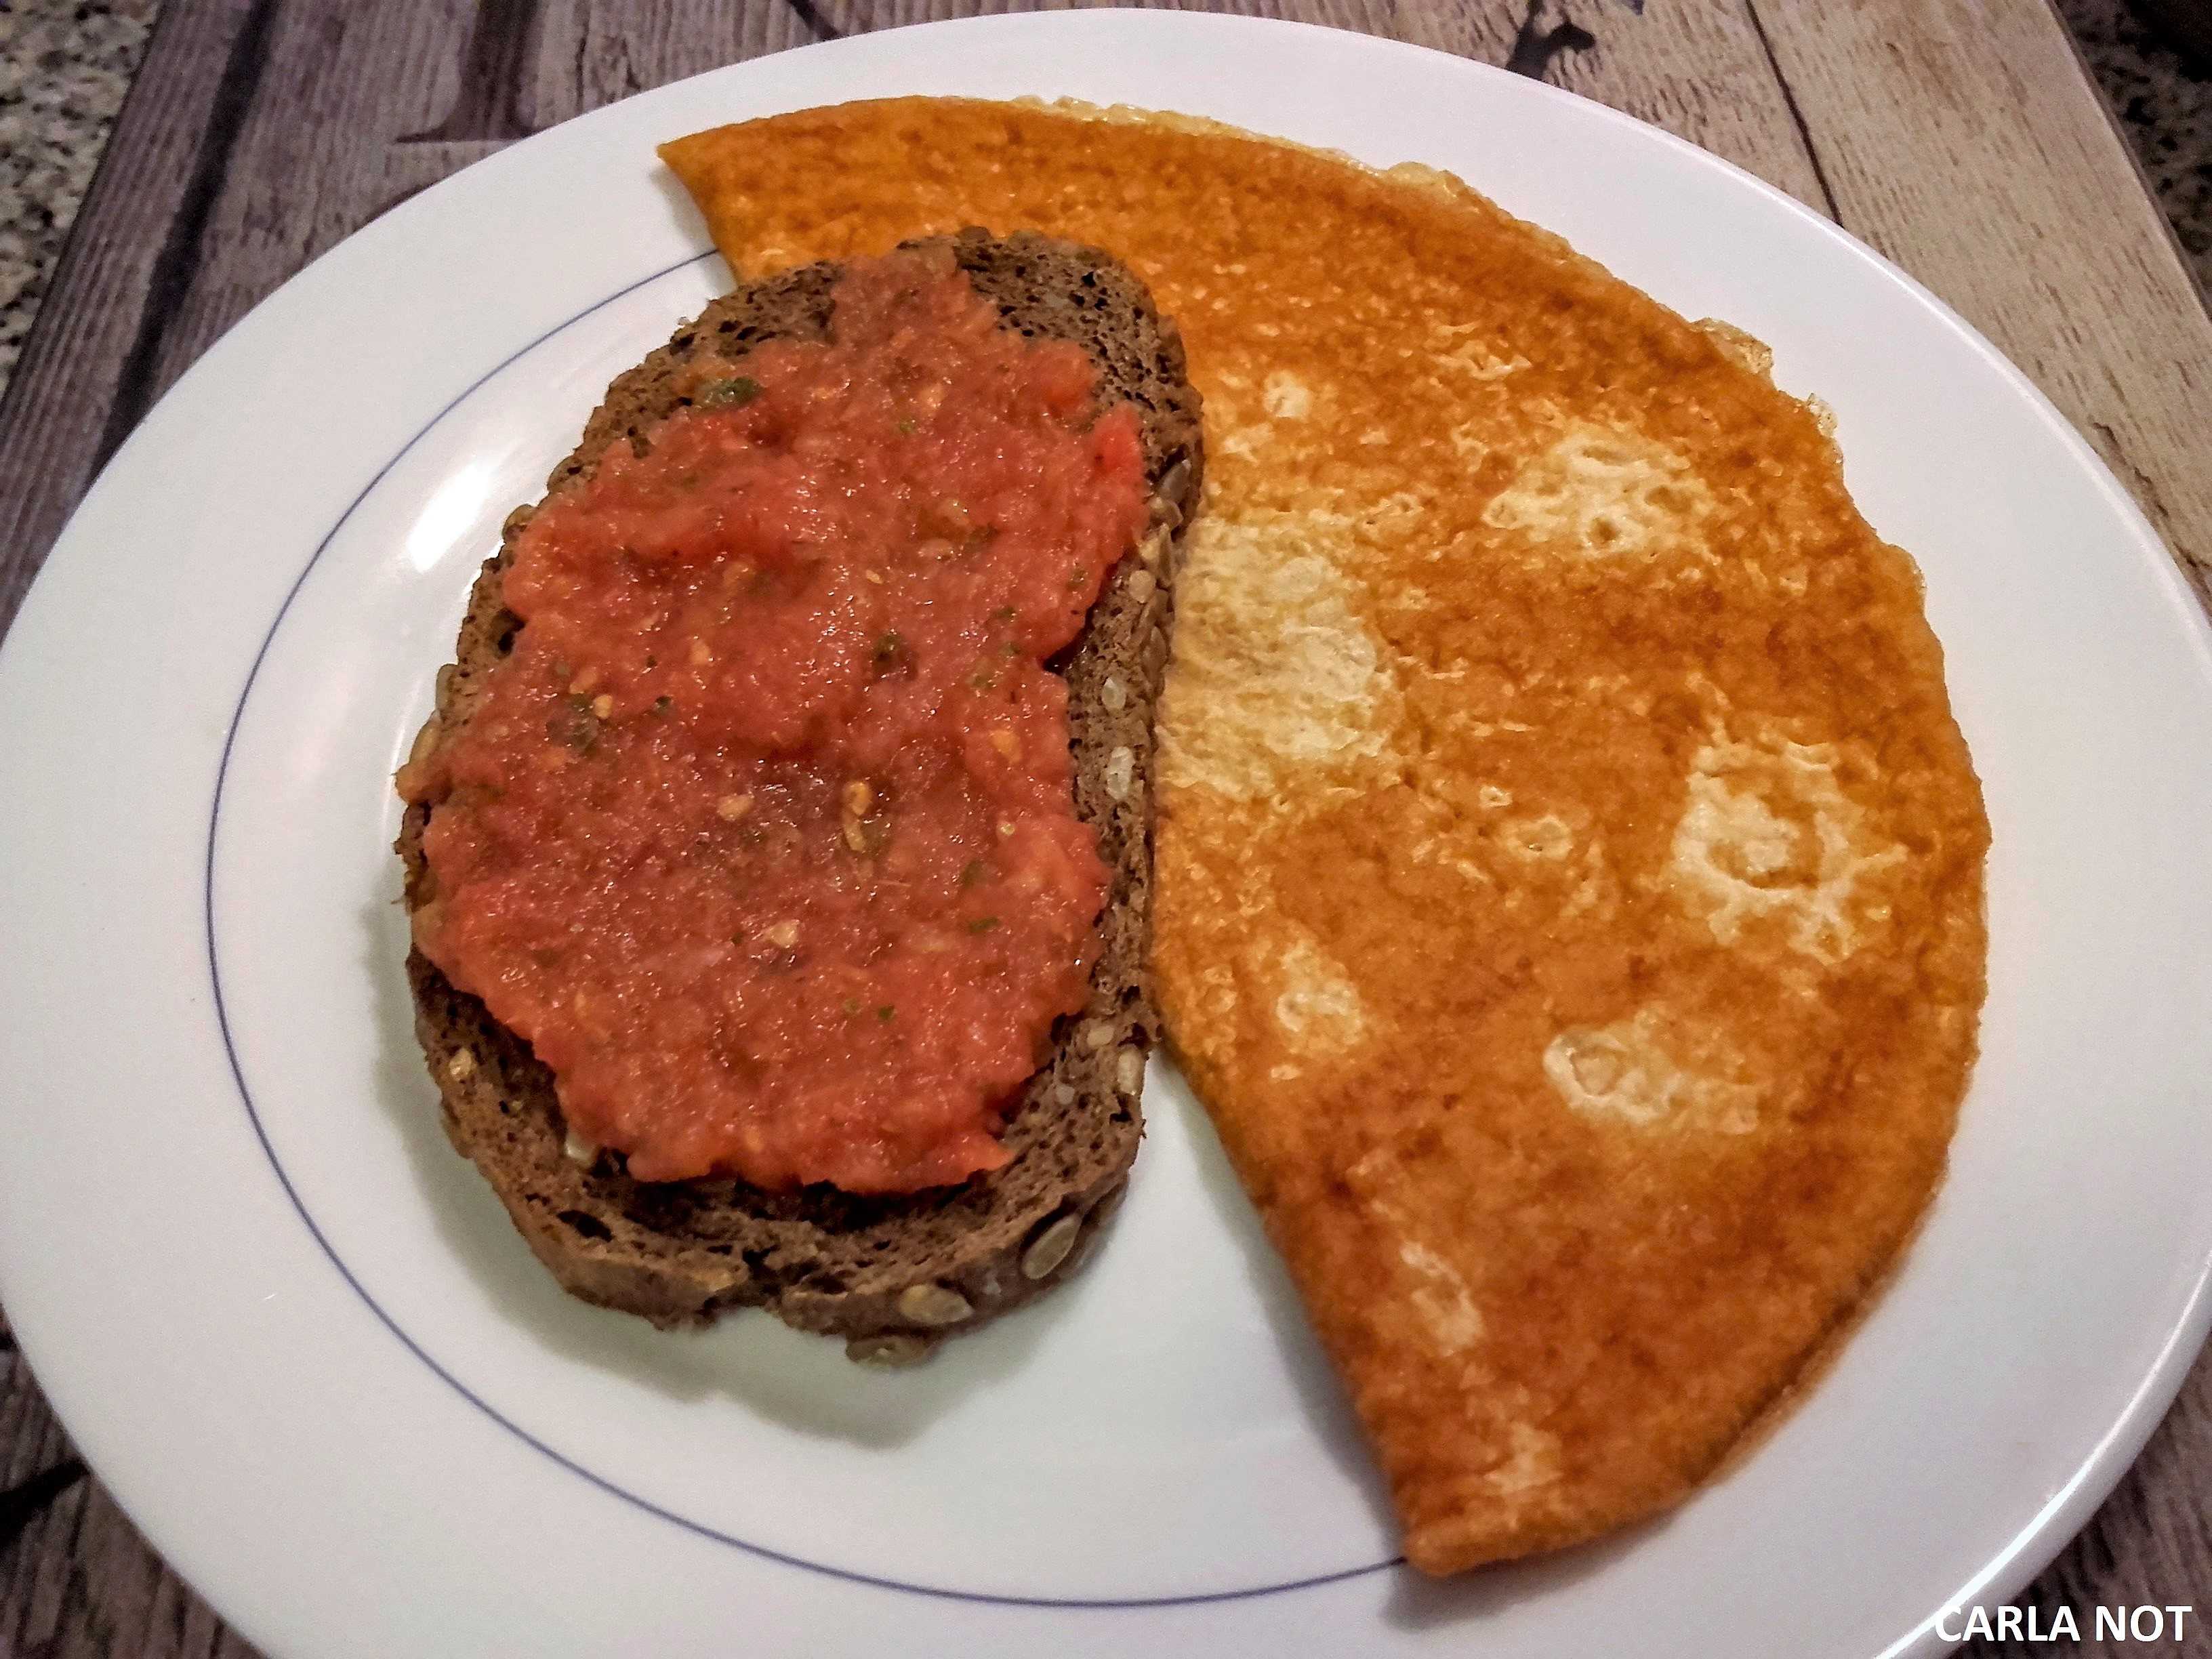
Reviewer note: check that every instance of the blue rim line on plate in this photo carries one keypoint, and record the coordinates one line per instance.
(284, 1179)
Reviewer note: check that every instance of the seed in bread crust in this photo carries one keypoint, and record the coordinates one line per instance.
(1085, 1241)
(1141, 584)
(1130, 1071)
(463, 1066)
(1112, 694)
(1174, 481)
(579, 1149)
(425, 741)
(1050, 1247)
(891, 1351)
(933, 1305)
(1120, 773)
(1097, 1034)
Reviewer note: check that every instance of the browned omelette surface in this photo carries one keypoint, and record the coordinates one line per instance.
(1569, 873)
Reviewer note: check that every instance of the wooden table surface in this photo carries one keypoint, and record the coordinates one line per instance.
(1962, 137)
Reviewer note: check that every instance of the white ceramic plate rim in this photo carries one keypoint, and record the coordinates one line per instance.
(57, 1340)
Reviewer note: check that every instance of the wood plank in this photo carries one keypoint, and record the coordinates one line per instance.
(1959, 143)
(316, 157)
(116, 1598)
(1701, 72)
(134, 244)
(618, 49)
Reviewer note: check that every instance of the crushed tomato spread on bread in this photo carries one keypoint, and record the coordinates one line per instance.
(763, 835)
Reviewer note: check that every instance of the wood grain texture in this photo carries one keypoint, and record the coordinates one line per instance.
(54, 419)
(1958, 136)
(1961, 147)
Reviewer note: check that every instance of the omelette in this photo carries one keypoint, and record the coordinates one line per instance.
(1569, 895)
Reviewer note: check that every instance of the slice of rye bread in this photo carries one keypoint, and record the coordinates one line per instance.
(891, 1274)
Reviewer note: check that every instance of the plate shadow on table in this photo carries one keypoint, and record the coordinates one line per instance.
(801, 1381)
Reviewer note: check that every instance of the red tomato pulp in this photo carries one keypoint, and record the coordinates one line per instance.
(763, 837)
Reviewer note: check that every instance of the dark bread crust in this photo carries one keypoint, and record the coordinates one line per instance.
(890, 1274)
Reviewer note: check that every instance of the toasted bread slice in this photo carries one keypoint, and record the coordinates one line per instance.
(891, 1274)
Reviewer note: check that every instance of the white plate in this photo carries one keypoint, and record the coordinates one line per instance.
(297, 1338)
